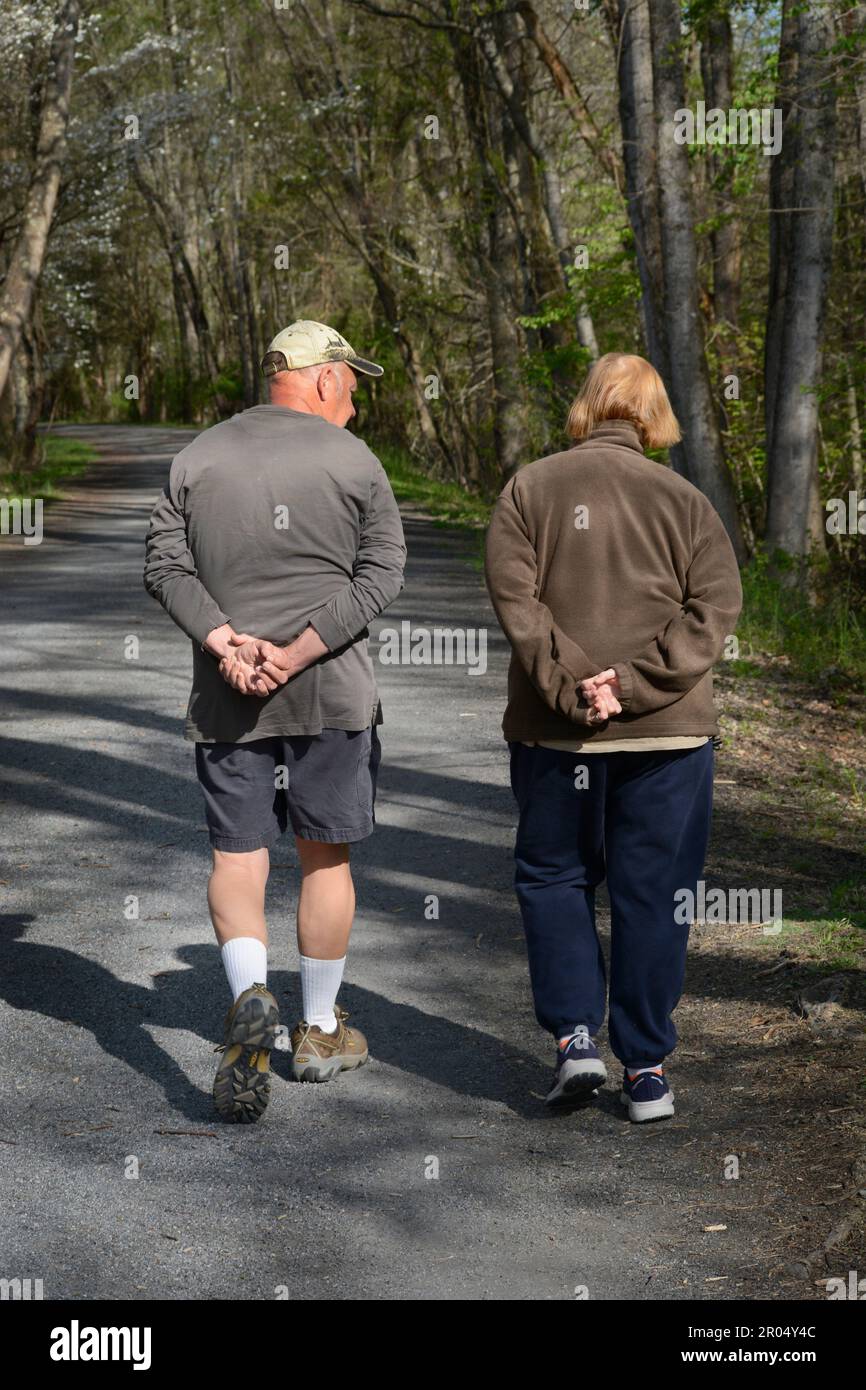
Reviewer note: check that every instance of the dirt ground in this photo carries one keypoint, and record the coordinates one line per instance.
(790, 814)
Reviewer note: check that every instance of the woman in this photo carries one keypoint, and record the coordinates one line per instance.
(616, 585)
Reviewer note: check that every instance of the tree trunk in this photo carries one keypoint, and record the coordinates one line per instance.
(717, 72)
(782, 219)
(169, 226)
(854, 431)
(515, 91)
(793, 458)
(691, 395)
(566, 86)
(498, 255)
(651, 90)
(16, 300)
(27, 389)
(433, 434)
(245, 325)
(510, 428)
(637, 118)
(856, 24)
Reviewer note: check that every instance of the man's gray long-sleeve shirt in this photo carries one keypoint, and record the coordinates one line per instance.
(272, 520)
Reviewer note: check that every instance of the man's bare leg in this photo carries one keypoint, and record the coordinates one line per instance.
(325, 911)
(327, 902)
(236, 894)
(236, 898)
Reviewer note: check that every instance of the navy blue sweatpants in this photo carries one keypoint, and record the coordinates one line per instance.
(642, 821)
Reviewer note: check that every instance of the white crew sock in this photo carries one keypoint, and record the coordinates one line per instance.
(320, 985)
(632, 1074)
(246, 963)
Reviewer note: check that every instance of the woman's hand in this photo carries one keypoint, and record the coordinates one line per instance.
(601, 694)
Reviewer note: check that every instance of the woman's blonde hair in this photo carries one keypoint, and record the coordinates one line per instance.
(620, 386)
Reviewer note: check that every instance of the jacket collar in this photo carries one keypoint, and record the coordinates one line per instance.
(615, 432)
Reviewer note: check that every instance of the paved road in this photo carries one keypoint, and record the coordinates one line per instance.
(116, 1181)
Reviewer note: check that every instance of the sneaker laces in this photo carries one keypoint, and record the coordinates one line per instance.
(340, 1014)
(564, 1044)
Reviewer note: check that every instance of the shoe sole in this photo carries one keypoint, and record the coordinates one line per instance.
(242, 1085)
(639, 1111)
(328, 1068)
(583, 1081)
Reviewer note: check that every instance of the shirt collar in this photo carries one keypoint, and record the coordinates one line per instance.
(275, 411)
(616, 432)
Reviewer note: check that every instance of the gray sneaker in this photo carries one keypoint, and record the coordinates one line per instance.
(648, 1095)
(579, 1070)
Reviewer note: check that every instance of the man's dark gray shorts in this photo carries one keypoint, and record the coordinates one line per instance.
(324, 785)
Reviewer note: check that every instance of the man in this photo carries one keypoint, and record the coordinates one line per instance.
(275, 544)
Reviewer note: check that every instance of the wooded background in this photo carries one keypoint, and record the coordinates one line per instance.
(484, 197)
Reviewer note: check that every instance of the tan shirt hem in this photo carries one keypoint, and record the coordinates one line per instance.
(623, 745)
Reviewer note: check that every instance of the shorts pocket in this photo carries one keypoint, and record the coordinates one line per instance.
(367, 770)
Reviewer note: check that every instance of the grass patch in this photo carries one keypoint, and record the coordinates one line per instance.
(448, 504)
(824, 639)
(743, 668)
(820, 774)
(835, 937)
(62, 458)
(834, 943)
(850, 899)
(831, 943)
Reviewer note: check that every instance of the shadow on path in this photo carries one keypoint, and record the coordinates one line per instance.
(59, 984)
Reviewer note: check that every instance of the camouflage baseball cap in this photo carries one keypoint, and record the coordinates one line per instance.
(307, 344)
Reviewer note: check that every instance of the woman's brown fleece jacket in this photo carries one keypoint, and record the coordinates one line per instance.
(600, 557)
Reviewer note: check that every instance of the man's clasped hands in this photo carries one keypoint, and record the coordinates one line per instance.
(254, 666)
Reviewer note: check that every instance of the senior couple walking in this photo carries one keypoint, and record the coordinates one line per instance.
(275, 544)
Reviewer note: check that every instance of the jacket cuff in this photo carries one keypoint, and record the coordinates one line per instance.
(581, 717)
(626, 681)
(328, 629)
